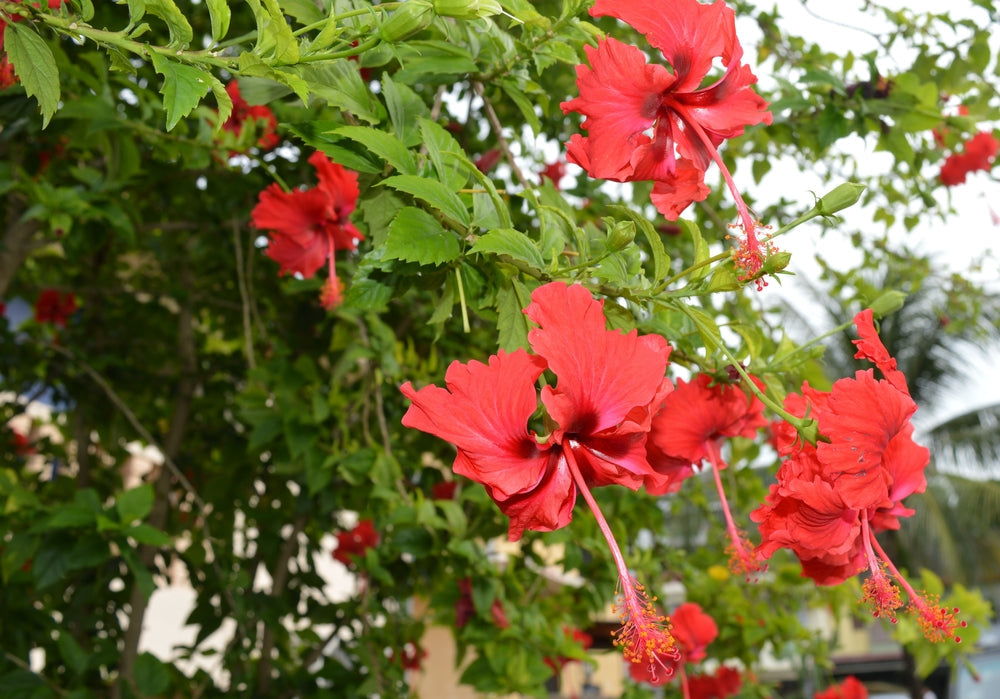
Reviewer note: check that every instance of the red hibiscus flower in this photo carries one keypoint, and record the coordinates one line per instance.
(445, 490)
(306, 227)
(850, 688)
(412, 657)
(258, 116)
(830, 499)
(689, 428)
(979, 153)
(554, 172)
(54, 307)
(355, 542)
(693, 630)
(645, 122)
(598, 416)
(725, 682)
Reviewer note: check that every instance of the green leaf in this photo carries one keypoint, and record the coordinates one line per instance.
(450, 161)
(135, 504)
(151, 675)
(304, 11)
(339, 84)
(406, 110)
(220, 14)
(151, 536)
(514, 244)
(512, 324)
(76, 658)
(183, 87)
(701, 252)
(223, 101)
(180, 30)
(143, 578)
(35, 66)
(707, 327)
(416, 236)
(433, 193)
(521, 101)
(275, 40)
(386, 146)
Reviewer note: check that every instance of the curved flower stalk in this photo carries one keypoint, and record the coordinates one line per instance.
(689, 429)
(647, 122)
(832, 498)
(598, 415)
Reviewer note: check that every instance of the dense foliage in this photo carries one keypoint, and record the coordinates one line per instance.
(182, 272)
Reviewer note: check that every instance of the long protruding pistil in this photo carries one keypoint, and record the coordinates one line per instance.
(645, 633)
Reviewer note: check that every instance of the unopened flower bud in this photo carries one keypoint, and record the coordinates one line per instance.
(621, 235)
(841, 197)
(467, 9)
(407, 20)
(887, 302)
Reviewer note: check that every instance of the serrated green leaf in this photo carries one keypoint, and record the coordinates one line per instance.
(416, 236)
(135, 504)
(450, 161)
(524, 105)
(181, 34)
(507, 241)
(433, 193)
(34, 65)
(220, 15)
(382, 144)
(304, 11)
(224, 103)
(405, 108)
(339, 84)
(184, 87)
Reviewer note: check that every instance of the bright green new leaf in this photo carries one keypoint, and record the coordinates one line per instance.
(135, 504)
(220, 14)
(181, 33)
(384, 145)
(183, 87)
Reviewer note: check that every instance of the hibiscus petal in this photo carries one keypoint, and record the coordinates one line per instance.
(484, 412)
(690, 35)
(619, 96)
(295, 220)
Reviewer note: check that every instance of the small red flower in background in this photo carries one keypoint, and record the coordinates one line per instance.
(554, 172)
(850, 688)
(20, 443)
(830, 499)
(258, 116)
(411, 658)
(645, 122)
(724, 682)
(598, 417)
(445, 490)
(979, 153)
(488, 160)
(355, 542)
(689, 428)
(306, 227)
(693, 630)
(54, 307)
(580, 637)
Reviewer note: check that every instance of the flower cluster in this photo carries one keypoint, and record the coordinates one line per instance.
(597, 421)
(645, 122)
(978, 153)
(55, 307)
(832, 497)
(306, 227)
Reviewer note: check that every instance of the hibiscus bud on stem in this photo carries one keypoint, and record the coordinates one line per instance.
(407, 20)
(839, 198)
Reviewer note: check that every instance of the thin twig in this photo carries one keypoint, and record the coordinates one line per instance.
(497, 127)
(241, 282)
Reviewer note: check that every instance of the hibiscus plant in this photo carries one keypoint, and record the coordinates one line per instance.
(379, 340)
